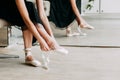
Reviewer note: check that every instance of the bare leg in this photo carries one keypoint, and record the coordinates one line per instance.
(81, 22)
(27, 37)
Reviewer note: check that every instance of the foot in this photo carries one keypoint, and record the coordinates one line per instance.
(45, 58)
(33, 62)
(61, 50)
(30, 61)
(86, 26)
(76, 33)
(80, 32)
(69, 32)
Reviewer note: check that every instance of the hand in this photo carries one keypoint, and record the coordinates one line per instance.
(52, 43)
(44, 46)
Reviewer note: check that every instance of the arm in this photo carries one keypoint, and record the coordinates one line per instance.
(24, 13)
(43, 16)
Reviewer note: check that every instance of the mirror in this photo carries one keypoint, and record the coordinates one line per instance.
(105, 34)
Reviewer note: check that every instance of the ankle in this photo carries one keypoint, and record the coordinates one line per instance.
(28, 54)
(81, 25)
(68, 30)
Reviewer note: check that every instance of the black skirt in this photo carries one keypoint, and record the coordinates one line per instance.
(9, 12)
(61, 12)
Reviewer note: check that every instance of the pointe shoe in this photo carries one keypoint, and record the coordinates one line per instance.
(46, 60)
(76, 34)
(73, 34)
(61, 51)
(34, 63)
(87, 26)
(80, 32)
(69, 32)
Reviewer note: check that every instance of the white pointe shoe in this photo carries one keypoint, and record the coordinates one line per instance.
(45, 58)
(81, 33)
(61, 51)
(87, 26)
(69, 32)
(34, 63)
(76, 33)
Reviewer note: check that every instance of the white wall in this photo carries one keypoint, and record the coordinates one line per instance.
(110, 6)
(102, 6)
(93, 10)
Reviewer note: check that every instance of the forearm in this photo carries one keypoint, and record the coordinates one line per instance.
(46, 25)
(43, 17)
(25, 16)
